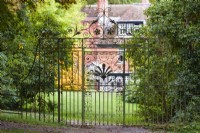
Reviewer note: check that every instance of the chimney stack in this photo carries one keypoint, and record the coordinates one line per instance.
(102, 6)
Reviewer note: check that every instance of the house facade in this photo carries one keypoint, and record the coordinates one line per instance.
(104, 58)
(105, 65)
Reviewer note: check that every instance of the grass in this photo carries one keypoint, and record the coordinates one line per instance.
(16, 131)
(100, 108)
(28, 120)
(20, 129)
(187, 127)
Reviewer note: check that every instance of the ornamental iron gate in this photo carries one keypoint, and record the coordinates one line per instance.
(85, 79)
(92, 81)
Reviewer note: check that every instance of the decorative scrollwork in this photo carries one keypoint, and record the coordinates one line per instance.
(101, 27)
(96, 31)
(102, 72)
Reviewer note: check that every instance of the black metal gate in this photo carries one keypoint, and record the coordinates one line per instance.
(85, 80)
(92, 81)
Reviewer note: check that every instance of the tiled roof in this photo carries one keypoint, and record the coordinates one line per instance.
(125, 12)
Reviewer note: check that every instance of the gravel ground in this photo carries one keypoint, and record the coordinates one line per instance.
(4, 126)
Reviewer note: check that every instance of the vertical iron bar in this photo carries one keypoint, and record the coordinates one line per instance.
(26, 102)
(83, 85)
(112, 106)
(78, 91)
(147, 41)
(30, 108)
(107, 106)
(95, 106)
(66, 105)
(124, 83)
(21, 98)
(128, 112)
(58, 80)
(62, 74)
(74, 115)
(136, 110)
(132, 109)
(39, 78)
(167, 49)
(77, 107)
(62, 102)
(72, 80)
(35, 97)
(99, 105)
(44, 82)
(70, 106)
(53, 86)
(146, 102)
(103, 105)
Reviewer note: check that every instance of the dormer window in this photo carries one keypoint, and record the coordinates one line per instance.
(127, 28)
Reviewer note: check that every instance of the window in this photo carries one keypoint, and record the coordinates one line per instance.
(122, 29)
(128, 27)
(120, 56)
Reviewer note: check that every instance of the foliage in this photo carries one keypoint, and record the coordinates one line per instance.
(7, 25)
(193, 127)
(19, 32)
(167, 61)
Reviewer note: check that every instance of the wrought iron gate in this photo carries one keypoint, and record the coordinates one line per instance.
(86, 79)
(91, 81)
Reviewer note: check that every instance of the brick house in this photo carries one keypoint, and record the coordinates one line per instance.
(104, 64)
(102, 56)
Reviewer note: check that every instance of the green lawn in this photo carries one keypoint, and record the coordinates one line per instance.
(100, 108)
(16, 131)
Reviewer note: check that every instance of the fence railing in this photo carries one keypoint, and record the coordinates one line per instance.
(101, 108)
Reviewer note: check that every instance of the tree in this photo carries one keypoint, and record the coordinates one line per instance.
(8, 99)
(26, 24)
(169, 76)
